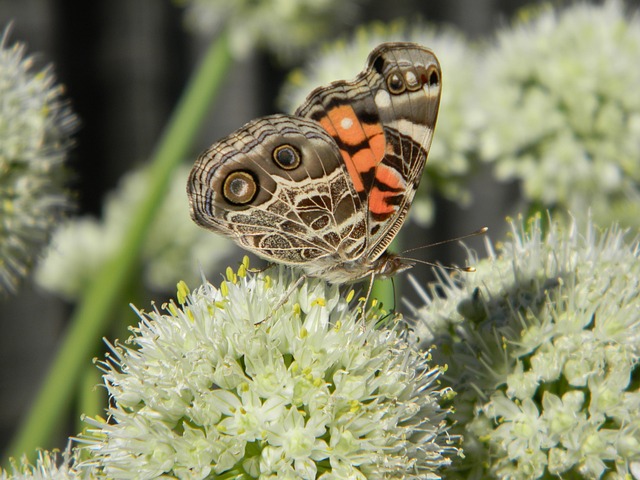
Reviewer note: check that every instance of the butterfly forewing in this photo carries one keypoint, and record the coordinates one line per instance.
(383, 123)
(409, 123)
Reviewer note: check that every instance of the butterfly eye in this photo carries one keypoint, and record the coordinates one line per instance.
(395, 84)
(286, 156)
(240, 187)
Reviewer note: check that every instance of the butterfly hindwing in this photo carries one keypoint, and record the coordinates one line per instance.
(293, 212)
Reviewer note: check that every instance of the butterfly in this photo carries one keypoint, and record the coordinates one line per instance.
(328, 188)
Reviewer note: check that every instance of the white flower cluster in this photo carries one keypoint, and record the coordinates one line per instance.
(543, 349)
(35, 135)
(255, 379)
(562, 108)
(450, 158)
(175, 248)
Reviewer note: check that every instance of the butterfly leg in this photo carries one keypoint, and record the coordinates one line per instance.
(292, 288)
(263, 269)
(368, 296)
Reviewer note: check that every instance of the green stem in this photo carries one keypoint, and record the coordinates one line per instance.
(92, 398)
(107, 288)
(383, 292)
(387, 291)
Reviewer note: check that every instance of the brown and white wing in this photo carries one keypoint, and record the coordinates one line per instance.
(279, 188)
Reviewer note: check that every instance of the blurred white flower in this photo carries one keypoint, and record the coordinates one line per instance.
(562, 109)
(543, 349)
(175, 247)
(451, 158)
(36, 124)
(285, 27)
(256, 379)
(49, 466)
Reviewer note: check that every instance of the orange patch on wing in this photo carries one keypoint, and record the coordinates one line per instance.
(373, 129)
(328, 126)
(364, 160)
(389, 177)
(353, 171)
(346, 123)
(378, 145)
(343, 124)
(378, 202)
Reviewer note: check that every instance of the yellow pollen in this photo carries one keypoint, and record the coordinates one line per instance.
(242, 271)
(321, 302)
(350, 295)
(183, 292)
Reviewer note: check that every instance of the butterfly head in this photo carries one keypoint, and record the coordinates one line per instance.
(389, 264)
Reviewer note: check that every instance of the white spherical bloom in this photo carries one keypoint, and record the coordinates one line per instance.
(36, 124)
(543, 349)
(256, 379)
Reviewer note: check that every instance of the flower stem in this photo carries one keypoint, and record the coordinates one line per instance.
(92, 399)
(385, 290)
(91, 316)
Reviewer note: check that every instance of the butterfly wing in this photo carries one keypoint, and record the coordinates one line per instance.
(383, 123)
(328, 188)
(278, 187)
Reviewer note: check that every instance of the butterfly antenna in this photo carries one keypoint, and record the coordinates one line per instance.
(480, 231)
(439, 265)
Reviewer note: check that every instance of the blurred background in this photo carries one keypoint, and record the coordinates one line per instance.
(124, 64)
